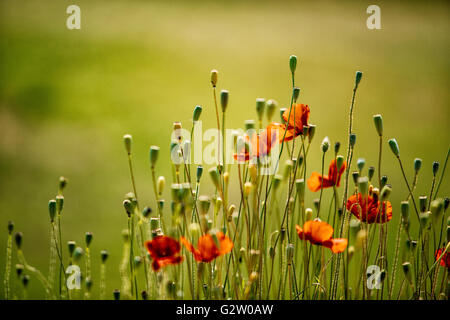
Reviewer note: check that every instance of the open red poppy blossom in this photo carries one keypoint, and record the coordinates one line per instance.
(207, 250)
(316, 181)
(445, 261)
(320, 233)
(164, 251)
(259, 145)
(368, 210)
(298, 119)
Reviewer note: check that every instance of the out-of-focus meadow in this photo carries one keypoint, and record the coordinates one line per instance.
(68, 96)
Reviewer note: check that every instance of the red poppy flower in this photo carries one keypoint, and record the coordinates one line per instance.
(445, 261)
(320, 233)
(207, 249)
(164, 251)
(333, 179)
(259, 144)
(367, 210)
(298, 119)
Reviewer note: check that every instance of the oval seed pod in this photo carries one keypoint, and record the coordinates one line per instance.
(214, 75)
(224, 95)
(197, 112)
(293, 63)
(394, 147)
(271, 106)
(378, 121)
(260, 106)
(127, 139)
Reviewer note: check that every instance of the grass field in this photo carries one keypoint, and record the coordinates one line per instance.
(68, 96)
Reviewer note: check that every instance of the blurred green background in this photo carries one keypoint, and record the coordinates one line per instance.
(68, 96)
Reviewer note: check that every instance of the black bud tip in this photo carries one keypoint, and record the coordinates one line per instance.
(88, 238)
(18, 237)
(10, 227)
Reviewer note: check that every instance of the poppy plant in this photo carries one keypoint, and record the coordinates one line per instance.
(207, 249)
(320, 233)
(445, 260)
(368, 209)
(259, 144)
(164, 251)
(317, 182)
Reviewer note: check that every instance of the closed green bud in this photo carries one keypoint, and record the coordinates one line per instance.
(154, 151)
(358, 77)
(127, 139)
(88, 282)
(214, 74)
(88, 238)
(271, 106)
(19, 269)
(194, 229)
(424, 217)
(197, 113)
(394, 147)
(25, 280)
(308, 214)
(277, 181)
(352, 139)
(289, 253)
(371, 172)
(18, 238)
(288, 165)
(384, 180)
(404, 206)
(417, 164)
(205, 203)
(10, 227)
(446, 203)
(78, 253)
(300, 185)
(154, 223)
(146, 212)
(128, 207)
(249, 125)
(282, 110)
(293, 63)
(160, 185)
(260, 104)
(337, 146)
(423, 202)
(199, 173)
(296, 93)
(71, 245)
(62, 184)
(360, 163)
(355, 176)
(161, 204)
(311, 132)
(104, 255)
(378, 120)
(316, 204)
(137, 261)
(386, 192)
(325, 144)
(224, 99)
(52, 209)
(437, 208)
(214, 177)
(363, 185)
(59, 203)
(406, 267)
(435, 167)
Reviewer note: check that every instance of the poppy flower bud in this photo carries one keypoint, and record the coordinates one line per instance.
(288, 165)
(199, 173)
(19, 269)
(214, 74)
(154, 151)
(277, 181)
(231, 210)
(77, 253)
(385, 192)
(337, 146)
(351, 252)
(352, 139)
(194, 229)
(308, 214)
(361, 238)
(437, 207)
(378, 120)
(300, 185)
(137, 261)
(161, 204)
(224, 99)
(226, 177)
(446, 203)
(214, 177)
(283, 234)
(435, 167)
(296, 93)
(88, 283)
(282, 110)
(18, 238)
(71, 245)
(218, 205)
(88, 238)
(411, 244)
(161, 184)
(104, 255)
(289, 253)
(404, 206)
(339, 162)
(394, 147)
(370, 172)
(205, 203)
(417, 164)
(52, 209)
(146, 212)
(316, 204)
(253, 171)
(325, 144)
(59, 203)
(249, 125)
(423, 203)
(25, 280)
(384, 180)
(62, 184)
(248, 188)
(10, 227)
(355, 225)
(406, 267)
(311, 132)
(363, 185)
(260, 104)
(293, 63)
(358, 77)
(253, 276)
(424, 217)
(360, 163)
(197, 113)
(127, 139)
(116, 294)
(355, 176)
(271, 105)
(125, 235)
(128, 207)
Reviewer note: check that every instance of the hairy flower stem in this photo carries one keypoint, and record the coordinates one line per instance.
(8, 266)
(36, 272)
(321, 186)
